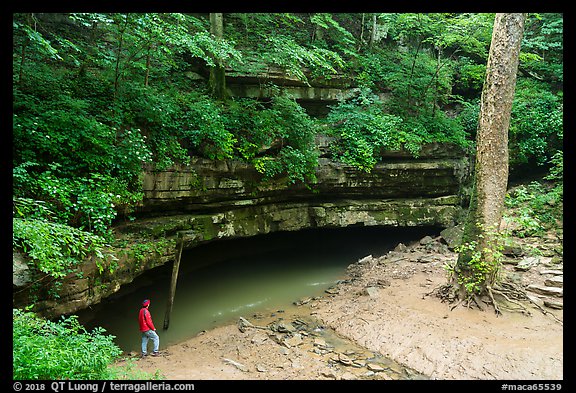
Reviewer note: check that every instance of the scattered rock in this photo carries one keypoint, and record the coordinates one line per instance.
(546, 291)
(358, 363)
(553, 304)
(292, 341)
(244, 324)
(426, 240)
(234, 363)
(527, 263)
(374, 367)
(284, 327)
(303, 301)
(343, 359)
(366, 259)
(551, 271)
(259, 339)
(329, 374)
(556, 260)
(284, 351)
(332, 291)
(371, 291)
(401, 247)
(452, 236)
(21, 275)
(347, 376)
(319, 342)
(556, 281)
(512, 249)
(426, 259)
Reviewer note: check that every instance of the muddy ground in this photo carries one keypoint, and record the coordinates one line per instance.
(384, 322)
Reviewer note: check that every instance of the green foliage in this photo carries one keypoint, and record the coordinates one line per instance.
(283, 52)
(284, 41)
(159, 116)
(468, 117)
(204, 46)
(297, 165)
(182, 124)
(26, 34)
(291, 136)
(63, 150)
(53, 126)
(420, 60)
(438, 127)
(205, 131)
(130, 154)
(55, 249)
(252, 125)
(362, 129)
(543, 49)
(89, 203)
(470, 77)
(422, 69)
(248, 29)
(536, 128)
(333, 36)
(179, 123)
(556, 171)
(537, 208)
(46, 350)
(483, 265)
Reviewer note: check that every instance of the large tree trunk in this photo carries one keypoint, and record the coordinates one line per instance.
(122, 26)
(217, 79)
(491, 164)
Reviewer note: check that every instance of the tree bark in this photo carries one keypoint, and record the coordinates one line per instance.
(373, 32)
(491, 162)
(148, 57)
(217, 79)
(121, 30)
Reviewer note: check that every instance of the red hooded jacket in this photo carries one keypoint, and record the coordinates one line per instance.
(145, 320)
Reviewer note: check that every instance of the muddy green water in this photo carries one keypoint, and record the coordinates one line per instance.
(221, 281)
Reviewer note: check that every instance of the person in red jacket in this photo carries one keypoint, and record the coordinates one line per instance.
(148, 330)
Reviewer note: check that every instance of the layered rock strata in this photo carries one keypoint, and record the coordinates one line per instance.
(212, 200)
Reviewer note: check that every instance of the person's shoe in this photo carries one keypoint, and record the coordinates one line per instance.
(143, 355)
(155, 353)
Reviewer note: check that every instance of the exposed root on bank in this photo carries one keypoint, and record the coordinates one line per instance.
(504, 295)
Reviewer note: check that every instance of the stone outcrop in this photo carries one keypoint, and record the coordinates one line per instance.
(205, 185)
(211, 200)
(315, 94)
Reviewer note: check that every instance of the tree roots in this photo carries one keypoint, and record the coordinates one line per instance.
(504, 295)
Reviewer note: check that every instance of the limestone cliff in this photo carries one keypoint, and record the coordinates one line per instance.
(211, 200)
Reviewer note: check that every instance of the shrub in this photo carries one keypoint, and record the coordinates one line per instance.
(48, 350)
(536, 127)
(362, 129)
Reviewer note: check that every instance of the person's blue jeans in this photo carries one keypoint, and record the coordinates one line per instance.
(150, 335)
